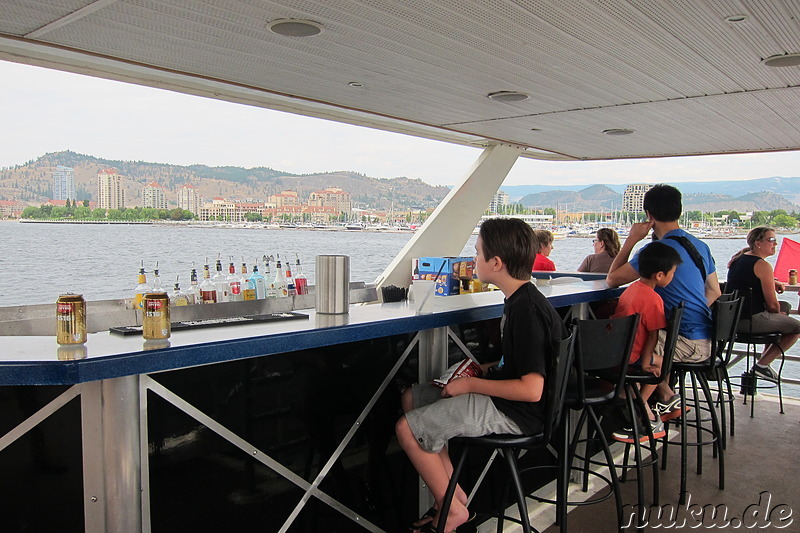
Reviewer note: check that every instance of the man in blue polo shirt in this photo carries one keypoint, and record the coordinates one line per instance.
(695, 281)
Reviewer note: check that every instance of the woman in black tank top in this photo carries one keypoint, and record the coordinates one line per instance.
(748, 269)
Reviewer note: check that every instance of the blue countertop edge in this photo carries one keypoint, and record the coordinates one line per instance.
(179, 357)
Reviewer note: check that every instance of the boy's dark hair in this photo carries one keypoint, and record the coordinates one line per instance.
(513, 241)
(657, 257)
(663, 202)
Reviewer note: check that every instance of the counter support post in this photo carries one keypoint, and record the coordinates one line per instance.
(432, 363)
(110, 414)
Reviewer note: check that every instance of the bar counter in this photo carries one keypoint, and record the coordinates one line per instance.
(273, 426)
(31, 360)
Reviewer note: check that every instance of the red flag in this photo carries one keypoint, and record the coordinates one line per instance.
(788, 257)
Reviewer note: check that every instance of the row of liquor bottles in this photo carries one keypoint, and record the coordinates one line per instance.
(231, 287)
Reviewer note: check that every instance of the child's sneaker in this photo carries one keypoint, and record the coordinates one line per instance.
(765, 372)
(626, 434)
(670, 405)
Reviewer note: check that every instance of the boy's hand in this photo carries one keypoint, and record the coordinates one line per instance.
(457, 387)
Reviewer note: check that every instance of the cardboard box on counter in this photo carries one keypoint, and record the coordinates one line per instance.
(453, 270)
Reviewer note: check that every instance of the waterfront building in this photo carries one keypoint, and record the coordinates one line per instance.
(499, 200)
(11, 209)
(189, 198)
(633, 197)
(110, 189)
(285, 198)
(64, 183)
(220, 209)
(331, 197)
(153, 195)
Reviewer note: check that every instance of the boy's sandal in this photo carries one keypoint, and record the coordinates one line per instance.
(426, 518)
(430, 527)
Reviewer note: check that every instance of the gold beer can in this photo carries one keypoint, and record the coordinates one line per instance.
(155, 322)
(70, 319)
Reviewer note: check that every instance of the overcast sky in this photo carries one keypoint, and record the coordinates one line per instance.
(45, 110)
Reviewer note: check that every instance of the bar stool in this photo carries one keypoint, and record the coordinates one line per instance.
(635, 404)
(602, 353)
(510, 445)
(723, 379)
(754, 339)
(725, 315)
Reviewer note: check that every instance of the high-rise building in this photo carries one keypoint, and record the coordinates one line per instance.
(331, 197)
(499, 200)
(633, 197)
(153, 195)
(189, 198)
(110, 189)
(64, 183)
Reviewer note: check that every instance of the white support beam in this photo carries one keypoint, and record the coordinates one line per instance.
(450, 225)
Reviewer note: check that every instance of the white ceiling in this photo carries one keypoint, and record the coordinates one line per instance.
(675, 71)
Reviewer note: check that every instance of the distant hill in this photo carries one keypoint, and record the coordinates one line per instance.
(32, 182)
(788, 188)
(740, 196)
(594, 198)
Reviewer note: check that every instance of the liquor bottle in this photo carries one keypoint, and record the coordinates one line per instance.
(247, 292)
(178, 298)
(221, 283)
(141, 289)
(157, 287)
(300, 280)
(193, 292)
(208, 291)
(271, 293)
(280, 285)
(290, 287)
(257, 283)
(234, 284)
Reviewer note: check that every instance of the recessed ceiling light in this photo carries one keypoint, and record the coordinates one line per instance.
(782, 60)
(733, 19)
(295, 27)
(618, 131)
(356, 84)
(508, 97)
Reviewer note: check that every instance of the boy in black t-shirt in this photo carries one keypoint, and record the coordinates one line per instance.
(507, 400)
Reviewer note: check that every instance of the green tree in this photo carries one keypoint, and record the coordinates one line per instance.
(98, 213)
(31, 212)
(81, 212)
(759, 218)
(253, 217)
(784, 221)
(86, 203)
(115, 214)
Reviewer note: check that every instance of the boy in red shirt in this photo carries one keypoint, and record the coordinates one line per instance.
(657, 264)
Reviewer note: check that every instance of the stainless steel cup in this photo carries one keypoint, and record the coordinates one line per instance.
(333, 284)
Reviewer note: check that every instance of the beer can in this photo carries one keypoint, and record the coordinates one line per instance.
(70, 319)
(792, 276)
(155, 322)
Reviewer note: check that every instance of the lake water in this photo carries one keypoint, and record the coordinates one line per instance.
(41, 261)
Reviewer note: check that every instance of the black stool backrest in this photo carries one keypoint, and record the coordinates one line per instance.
(555, 384)
(724, 318)
(673, 326)
(604, 345)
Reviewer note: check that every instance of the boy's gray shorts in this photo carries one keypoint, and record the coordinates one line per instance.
(434, 420)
